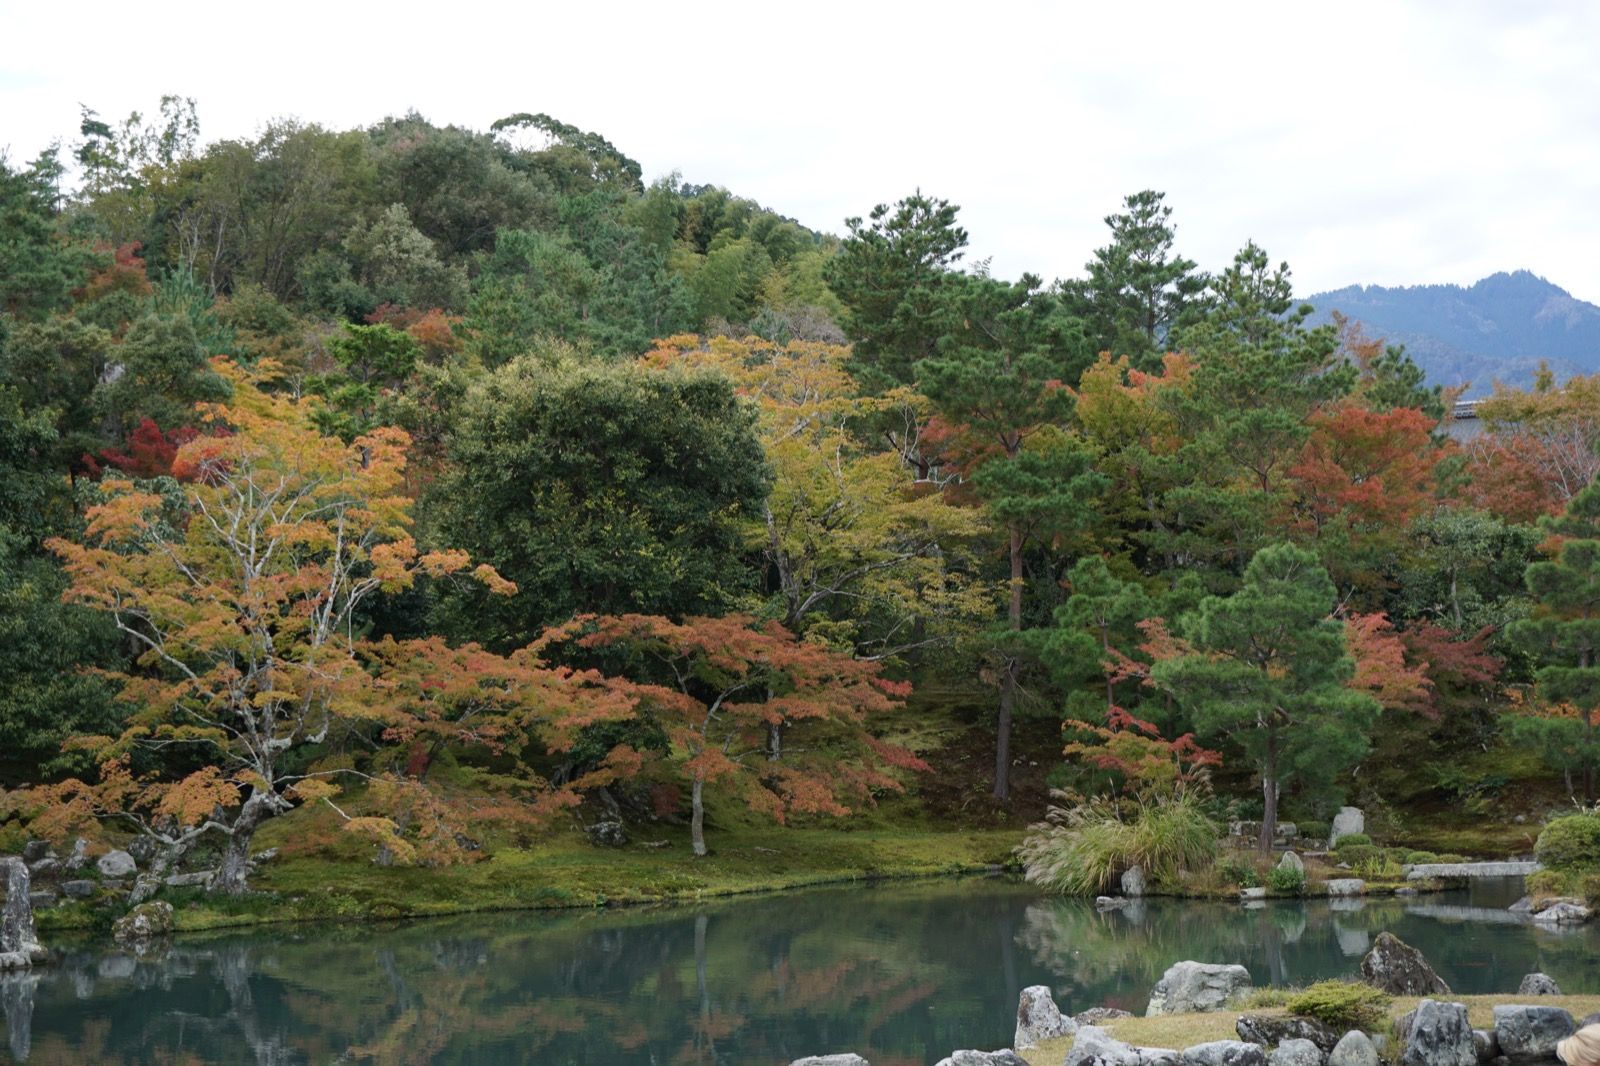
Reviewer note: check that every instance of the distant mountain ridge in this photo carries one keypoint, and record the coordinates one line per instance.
(1497, 329)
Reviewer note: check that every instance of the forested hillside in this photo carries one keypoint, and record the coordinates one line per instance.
(1498, 329)
(437, 490)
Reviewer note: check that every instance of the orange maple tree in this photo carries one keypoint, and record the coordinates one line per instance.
(243, 598)
(718, 685)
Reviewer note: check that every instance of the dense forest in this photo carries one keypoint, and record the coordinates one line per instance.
(458, 484)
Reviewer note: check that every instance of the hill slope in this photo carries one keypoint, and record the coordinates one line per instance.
(1499, 328)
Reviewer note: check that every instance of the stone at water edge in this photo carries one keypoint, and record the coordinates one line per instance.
(1538, 984)
(1003, 1057)
(1528, 1032)
(116, 864)
(19, 944)
(1347, 822)
(1270, 1029)
(1440, 1035)
(1294, 1052)
(1395, 967)
(1197, 987)
(1346, 886)
(847, 1059)
(1564, 914)
(1039, 1019)
(1291, 861)
(1110, 903)
(1133, 882)
(1225, 1053)
(1353, 1049)
(1254, 892)
(144, 922)
(1487, 1044)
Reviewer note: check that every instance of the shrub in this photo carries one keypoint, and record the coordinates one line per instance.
(1314, 830)
(1570, 843)
(1452, 857)
(1354, 840)
(1342, 1004)
(1546, 883)
(1238, 872)
(1083, 848)
(1417, 857)
(1379, 867)
(1356, 854)
(1287, 879)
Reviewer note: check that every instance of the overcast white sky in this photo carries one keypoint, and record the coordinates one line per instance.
(1389, 143)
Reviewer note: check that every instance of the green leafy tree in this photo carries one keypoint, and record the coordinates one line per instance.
(998, 385)
(890, 274)
(597, 488)
(1563, 635)
(1269, 672)
(1137, 289)
(399, 265)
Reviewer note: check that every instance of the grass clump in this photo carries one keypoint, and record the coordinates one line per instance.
(1342, 1004)
(1350, 840)
(1081, 849)
(1287, 880)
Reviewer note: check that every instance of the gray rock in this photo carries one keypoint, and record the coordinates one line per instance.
(41, 898)
(47, 865)
(1291, 861)
(1190, 987)
(1004, 1057)
(1158, 1056)
(1353, 1049)
(199, 879)
(145, 886)
(1096, 1015)
(144, 922)
(1538, 984)
(34, 850)
(1564, 914)
(1295, 1052)
(18, 940)
(1093, 1046)
(77, 889)
(1225, 1053)
(79, 856)
(1133, 882)
(1269, 1030)
(1530, 1032)
(847, 1059)
(1038, 1018)
(608, 834)
(116, 864)
(1588, 1020)
(1522, 906)
(1349, 820)
(1285, 831)
(1487, 1044)
(1346, 886)
(1254, 892)
(1399, 969)
(1440, 1036)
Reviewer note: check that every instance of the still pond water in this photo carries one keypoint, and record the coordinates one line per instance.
(902, 974)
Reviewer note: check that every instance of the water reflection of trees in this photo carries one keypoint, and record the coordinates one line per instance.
(901, 974)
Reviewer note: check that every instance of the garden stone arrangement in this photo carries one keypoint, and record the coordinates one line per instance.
(1437, 1033)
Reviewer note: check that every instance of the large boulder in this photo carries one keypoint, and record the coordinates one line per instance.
(1225, 1053)
(1004, 1057)
(1399, 969)
(144, 922)
(19, 944)
(1355, 1048)
(1039, 1019)
(1538, 984)
(1346, 886)
(1564, 913)
(1348, 821)
(1530, 1032)
(116, 864)
(847, 1059)
(1133, 882)
(1291, 861)
(1192, 987)
(1094, 1046)
(1440, 1035)
(1294, 1052)
(1271, 1029)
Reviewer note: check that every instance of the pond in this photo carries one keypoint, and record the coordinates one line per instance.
(901, 973)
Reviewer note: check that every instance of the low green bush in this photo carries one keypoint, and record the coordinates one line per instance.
(1343, 1005)
(1313, 830)
(1287, 879)
(1418, 857)
(1353, 840)
(1570, 843)
(1237, 872)
(1356, 854)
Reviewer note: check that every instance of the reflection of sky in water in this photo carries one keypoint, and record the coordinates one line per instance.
(902, 974)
